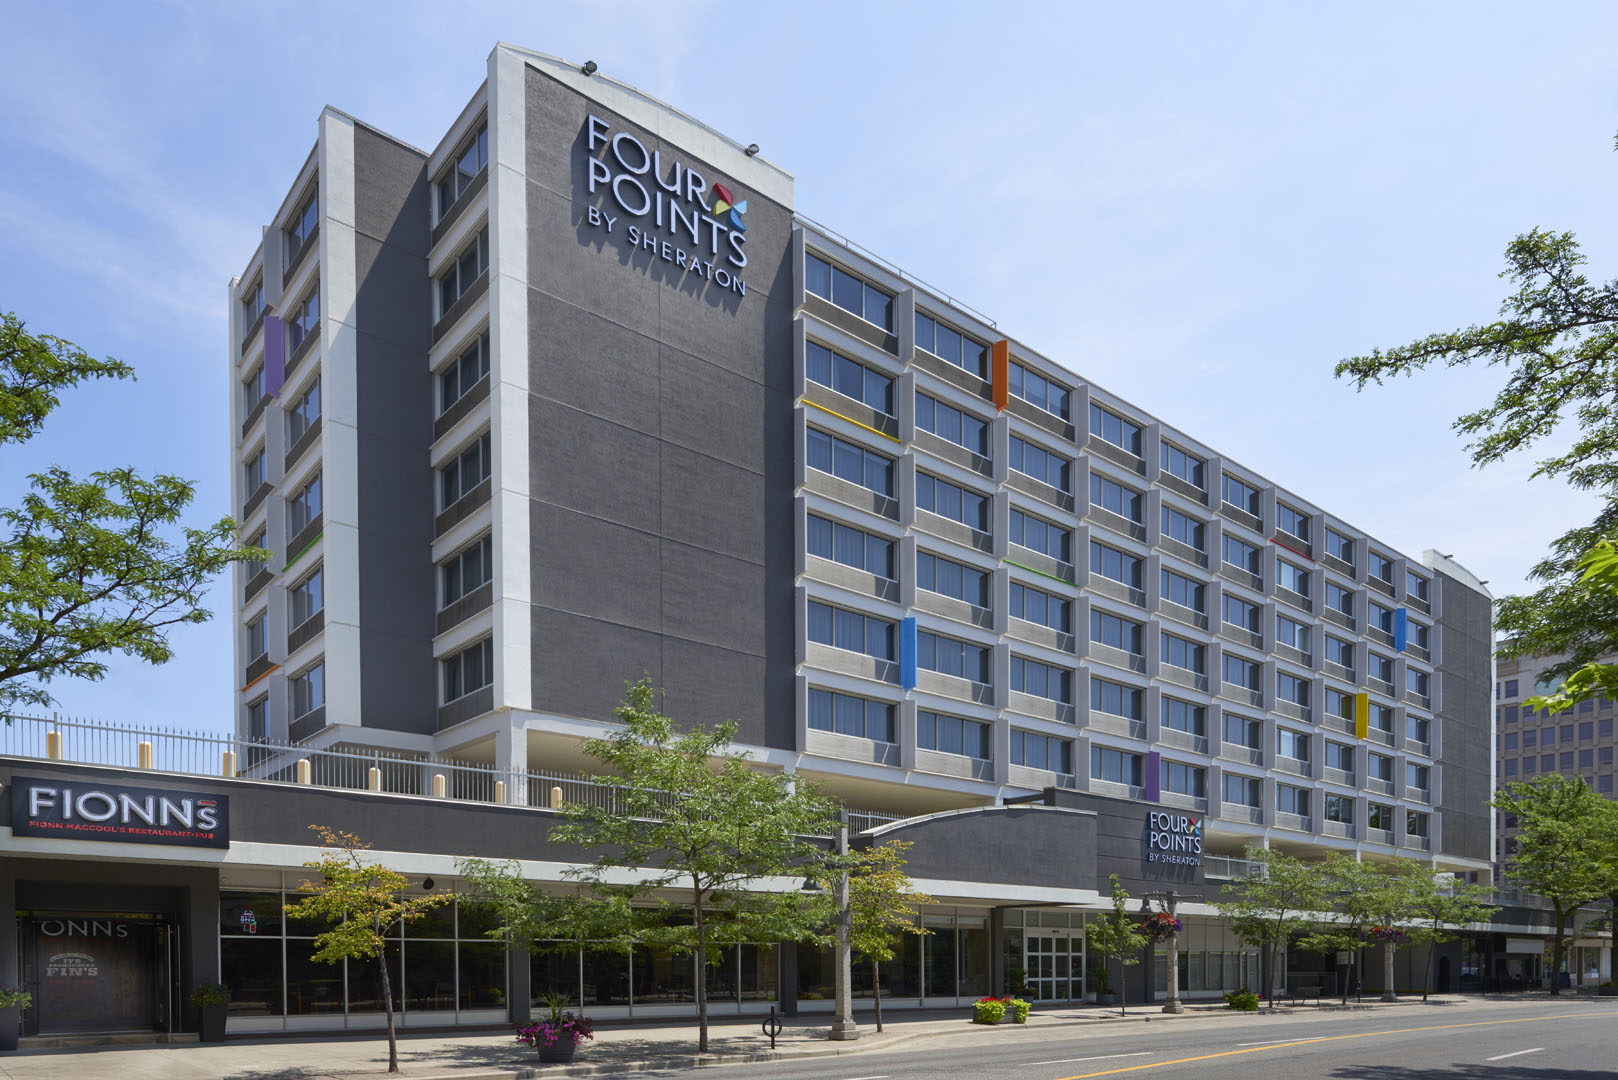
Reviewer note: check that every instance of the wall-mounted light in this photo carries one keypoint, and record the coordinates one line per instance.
(589, 67)
(752, 148)
(427, 884)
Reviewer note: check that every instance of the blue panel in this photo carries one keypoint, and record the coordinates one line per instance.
(907, 653)
(1399, 629)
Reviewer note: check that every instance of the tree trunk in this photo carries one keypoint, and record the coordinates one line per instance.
(1427, 979)
(387, 1007)
(1266, 973)
(1556, 952)
(876, 990)
(1387, 972)
(702, 972)
(1353, 954)
(1123, 988)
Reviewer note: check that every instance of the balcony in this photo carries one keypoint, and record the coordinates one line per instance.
(1338, 776)
(1295, 766)
(1240, 812)
(1419, 794)
(1296, 822)
(1338, 828)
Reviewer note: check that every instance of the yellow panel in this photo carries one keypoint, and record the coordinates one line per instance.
(1362, 715)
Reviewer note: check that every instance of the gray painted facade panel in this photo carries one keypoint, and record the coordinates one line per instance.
(1465, 716)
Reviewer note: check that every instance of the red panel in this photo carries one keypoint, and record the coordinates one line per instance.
(1001, 354)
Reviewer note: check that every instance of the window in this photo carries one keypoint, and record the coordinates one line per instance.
(1587, 759)
(253, 390)
(302, 416)
(848, 292)
(1511, 740)
(1339, 599)
(1339, 704)
(851, 378)
(1292, 633)
(1379, 566)
(947, 656)
(1378, 617)
(1039, 391)
(1418, 635)
(851, 462)
(1241, 555)
(955, 503)
(1187, 530)
(1379, 816)
(1339, 808)
(1037, 535)
(305, 317)
(252, 303)
(1339, 756)
(1292, 800)
(1339, 546)
(952, 735)
(303, 507)
(1379, 767)
(1511, 714)
(470, 669)
(1037, 606)
(308, 690)
(1415, 823)
(1243, 790)
(1185, 779)
(1417, 776)
(1292, 744)
(1529, 738)
(1587, 730)
(949, 344)
(467, 569)
(1041, 464)
(1115, 699)
(302, 226)
(1042, 680)
(1041, 752)
(1108, 629)
(1182, 590)
(1382, 718)
(1381, 667)
(1415, 585)
(848, 715)
(850, 546)
(307, 598)
(462, 271)
(1240, 495)
(1180, 653)
(1177, 462)
(258, 719)
(1113, 564)
(469, 369)
(842, 629)
(257, 644)
(465, 471)
(952, 425)
(469, 161)
(1340, 652)
(1293, 577)
(1293, 521)
(948, 578)
(1238, 612)
(1110, 427)
(1183, 716)
(1292, 688)
(1115, 766)
(1241, 672)
(1243, 731)
(253, 473)
(254, 568)
(1416, 682)
(1125, 502)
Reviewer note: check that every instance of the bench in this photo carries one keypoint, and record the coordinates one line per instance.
(1308, 992)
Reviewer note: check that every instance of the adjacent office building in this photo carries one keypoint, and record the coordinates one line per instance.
(579, 394)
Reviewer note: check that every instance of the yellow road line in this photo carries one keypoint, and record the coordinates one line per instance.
(1332, 1038)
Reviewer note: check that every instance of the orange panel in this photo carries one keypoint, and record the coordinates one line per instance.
(1001, 353)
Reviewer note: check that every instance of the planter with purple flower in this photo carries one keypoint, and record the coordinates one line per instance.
(558, 1037)
(1161, 925)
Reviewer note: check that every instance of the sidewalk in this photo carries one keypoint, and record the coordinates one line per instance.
(616, 1048)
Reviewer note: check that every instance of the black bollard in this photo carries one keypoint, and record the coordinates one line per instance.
(772, 1027)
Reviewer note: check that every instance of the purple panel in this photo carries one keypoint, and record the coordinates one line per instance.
(275, 355)
(1154, 777)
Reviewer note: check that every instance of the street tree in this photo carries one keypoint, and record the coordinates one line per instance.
(1364, 903)
(1564, 849)
(363, 905)
(693, 820)
(883, 907)
(1281, 896)
(1441, 906)
(1115, 935)
(89, 566)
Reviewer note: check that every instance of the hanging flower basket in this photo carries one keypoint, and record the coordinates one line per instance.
(1161, 926)
(1383, 934)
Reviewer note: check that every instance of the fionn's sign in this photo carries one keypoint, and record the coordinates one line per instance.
(130, 815)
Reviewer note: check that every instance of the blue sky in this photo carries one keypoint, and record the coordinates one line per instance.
(1199, 207)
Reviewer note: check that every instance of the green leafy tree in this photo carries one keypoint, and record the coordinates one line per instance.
(363, 905)
(883, 907)
(1117, 936)
(1556, 340)
(1440, 908)
(1565, 849)
(1360, 896)
(1281, 897)
(89, 567)
(692, 821)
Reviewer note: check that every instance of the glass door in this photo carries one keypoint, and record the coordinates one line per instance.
(1055, 966)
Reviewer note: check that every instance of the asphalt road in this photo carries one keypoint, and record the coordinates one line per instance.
(1538, 1040)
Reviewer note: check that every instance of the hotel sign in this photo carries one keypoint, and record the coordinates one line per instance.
(1175, 839)
(129, 815)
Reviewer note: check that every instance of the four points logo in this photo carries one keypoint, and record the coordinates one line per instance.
(724, 200)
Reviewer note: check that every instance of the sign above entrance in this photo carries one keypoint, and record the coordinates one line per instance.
(128, 815)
